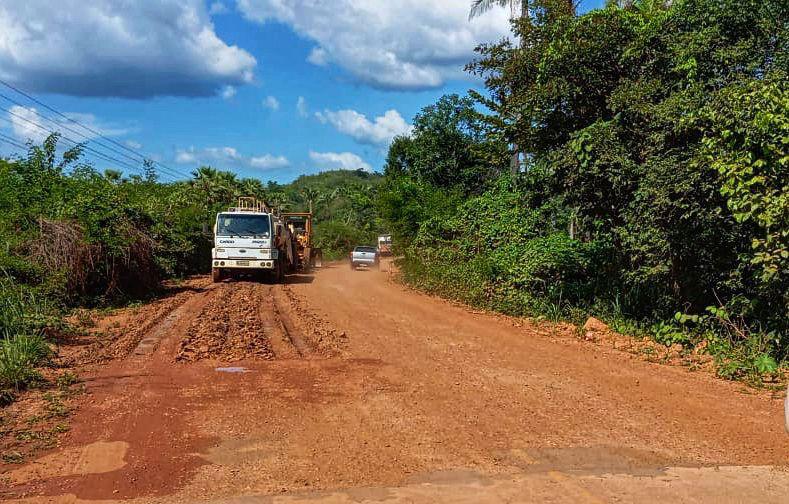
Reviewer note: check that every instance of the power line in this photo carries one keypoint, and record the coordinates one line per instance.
(81, 135)
(61, 125)
(102, 155)
(164, 167)
(11, 141)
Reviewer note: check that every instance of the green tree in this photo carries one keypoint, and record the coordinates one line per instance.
(448, 147)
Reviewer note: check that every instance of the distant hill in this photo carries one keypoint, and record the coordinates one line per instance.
(333, 179)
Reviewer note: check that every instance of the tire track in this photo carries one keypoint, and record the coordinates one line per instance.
(281, 337)
(308, 329)
(280, 307)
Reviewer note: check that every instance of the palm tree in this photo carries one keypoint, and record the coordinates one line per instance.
(479, 7)
(212, 184)
(311, 196)
(518, 9)
(253, 187)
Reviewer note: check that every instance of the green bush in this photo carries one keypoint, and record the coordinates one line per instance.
(19, 355)
(653, 178)
(23, 311)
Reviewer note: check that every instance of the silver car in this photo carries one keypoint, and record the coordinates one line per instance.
(365, 256)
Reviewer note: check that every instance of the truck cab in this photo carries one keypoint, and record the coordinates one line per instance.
(251, 239)
(385, 245)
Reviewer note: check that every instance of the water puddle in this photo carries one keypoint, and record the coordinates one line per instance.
(232, 370)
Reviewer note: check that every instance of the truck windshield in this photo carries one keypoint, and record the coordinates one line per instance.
(369, 250)
(243, 225)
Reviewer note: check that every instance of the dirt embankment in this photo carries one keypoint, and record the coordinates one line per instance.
(351, 388)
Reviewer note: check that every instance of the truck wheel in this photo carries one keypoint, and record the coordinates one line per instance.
(216, 275)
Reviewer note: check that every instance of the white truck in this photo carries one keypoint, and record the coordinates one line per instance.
(385, 245)
(251, 239)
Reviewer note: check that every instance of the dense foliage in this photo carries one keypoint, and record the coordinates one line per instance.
(343, 203)
(653, 182)
(72, 236)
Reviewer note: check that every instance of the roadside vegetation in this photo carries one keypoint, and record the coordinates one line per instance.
(652, 182)
(72, 236)
(650, 191)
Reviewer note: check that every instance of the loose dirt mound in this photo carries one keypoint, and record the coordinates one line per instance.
(229, 328)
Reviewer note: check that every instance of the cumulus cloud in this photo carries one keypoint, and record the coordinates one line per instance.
(271, 103)
(301, 107)
(339, 161)
(408, 44)
(218, 8)
(208, 155)
(186, 156)
(117, 48)
(228, 157)
(267, 162)
(134, 145)
(28, 124)
(23, 124)
(228, 92)
(380, 132)
(318, 56)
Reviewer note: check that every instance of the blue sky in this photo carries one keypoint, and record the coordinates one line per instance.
(189, 82)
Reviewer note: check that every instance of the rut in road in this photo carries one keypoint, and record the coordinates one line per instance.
(245, 320)
(228, 328)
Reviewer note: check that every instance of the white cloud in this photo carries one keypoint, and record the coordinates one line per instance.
(134, 145)
(186, 157)
(381, 131)
(228, 92)
(271, 103)
(339, 161)
(228, 153)
(117, 48)
(318, 56)
(23, 121)
(218, 8)
(208, 155)
(228, 157)
(267, 162)
(408, 44)
(301, 107)
(29, 124)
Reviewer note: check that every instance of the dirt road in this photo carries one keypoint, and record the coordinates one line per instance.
(345, 387)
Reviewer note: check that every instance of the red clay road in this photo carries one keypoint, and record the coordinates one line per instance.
(346, 387)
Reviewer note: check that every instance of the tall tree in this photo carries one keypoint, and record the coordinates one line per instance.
(518, 9)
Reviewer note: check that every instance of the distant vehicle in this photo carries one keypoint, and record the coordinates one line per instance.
(252, 238)
(365, 256)
(385, 245)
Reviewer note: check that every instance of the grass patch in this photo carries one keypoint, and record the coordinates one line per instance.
(19, 355)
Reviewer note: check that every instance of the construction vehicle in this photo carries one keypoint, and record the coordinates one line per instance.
(252, 239)
(300, 226)
(384, 245)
